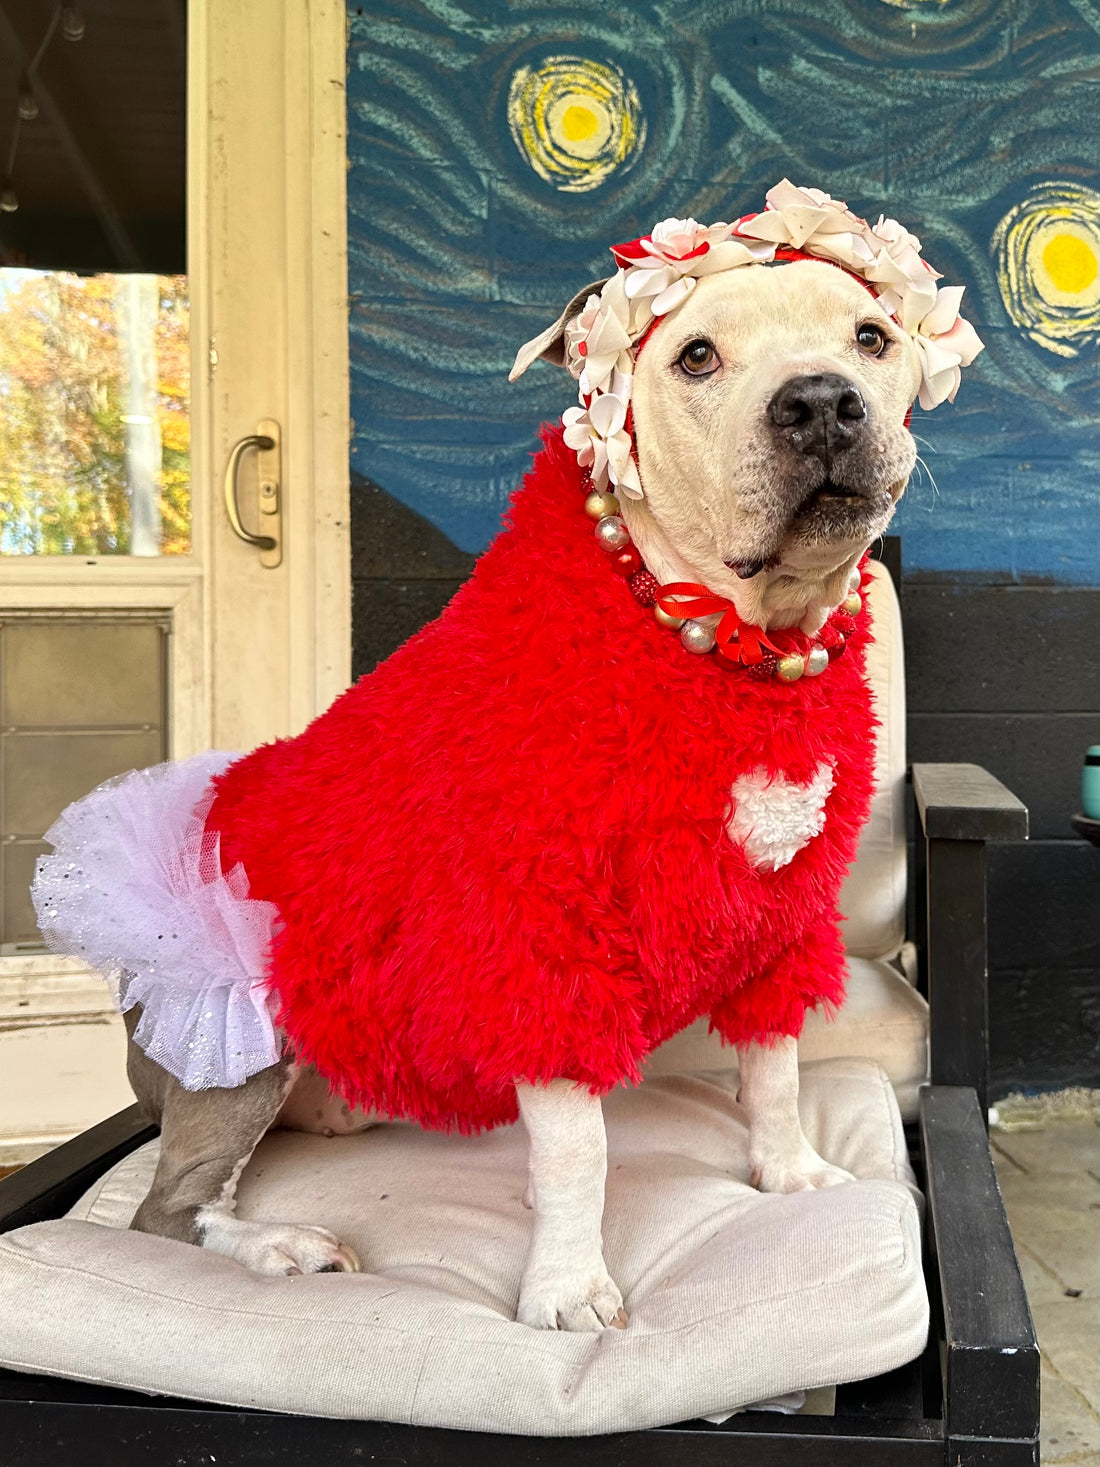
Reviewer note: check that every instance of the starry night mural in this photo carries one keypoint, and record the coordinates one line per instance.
(497, 149)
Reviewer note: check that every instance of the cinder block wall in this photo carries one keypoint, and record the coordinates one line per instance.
(1009, 677)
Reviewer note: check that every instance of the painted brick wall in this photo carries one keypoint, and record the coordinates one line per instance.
(1009, 677)
(471, 222)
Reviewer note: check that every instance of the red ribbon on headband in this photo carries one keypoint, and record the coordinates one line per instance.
(738, 640)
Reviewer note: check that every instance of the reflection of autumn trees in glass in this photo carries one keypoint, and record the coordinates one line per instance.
(94, 427)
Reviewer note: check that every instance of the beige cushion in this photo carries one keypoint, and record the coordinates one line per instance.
(873, 898)
(734, 1297)
(882, 1018)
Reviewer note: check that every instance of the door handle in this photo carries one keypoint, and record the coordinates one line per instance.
(267, 441)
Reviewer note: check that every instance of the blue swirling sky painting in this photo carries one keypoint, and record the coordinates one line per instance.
(497, 149)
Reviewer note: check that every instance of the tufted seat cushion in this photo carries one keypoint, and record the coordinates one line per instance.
(734, 1297)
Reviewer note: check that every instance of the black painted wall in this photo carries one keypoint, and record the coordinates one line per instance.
(1004, 676)
(1009, 677)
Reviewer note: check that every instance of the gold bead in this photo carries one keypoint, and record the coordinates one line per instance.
(600, 506)
(790, 668)
(663, 619)
(853, 604)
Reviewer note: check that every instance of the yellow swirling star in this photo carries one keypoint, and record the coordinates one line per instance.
(1048, 266)
(575, 121)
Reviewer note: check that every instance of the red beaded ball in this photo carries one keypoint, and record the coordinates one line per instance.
(627, 560)
(843, 623)
(763, 669)
(645, 586)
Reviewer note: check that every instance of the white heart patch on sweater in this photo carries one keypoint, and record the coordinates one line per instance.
(773, 819)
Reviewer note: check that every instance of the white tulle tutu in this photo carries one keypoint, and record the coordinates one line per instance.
(134, 887)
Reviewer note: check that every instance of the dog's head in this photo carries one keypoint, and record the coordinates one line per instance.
(756, 428)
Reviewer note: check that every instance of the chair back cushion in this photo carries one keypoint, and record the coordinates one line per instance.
(883, 1018)
(873, 898)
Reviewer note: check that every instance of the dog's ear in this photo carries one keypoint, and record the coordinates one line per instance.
(550, 344)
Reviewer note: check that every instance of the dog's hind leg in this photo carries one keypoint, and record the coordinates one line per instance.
(566, 1284)
(207, 1138)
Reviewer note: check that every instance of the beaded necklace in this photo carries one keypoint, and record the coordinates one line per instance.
(709, 623)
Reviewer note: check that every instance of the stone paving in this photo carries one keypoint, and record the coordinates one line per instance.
(1050, 1180)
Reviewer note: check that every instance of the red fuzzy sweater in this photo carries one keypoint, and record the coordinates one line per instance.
(503, 854)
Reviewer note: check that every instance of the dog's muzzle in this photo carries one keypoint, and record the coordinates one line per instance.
(821, 414)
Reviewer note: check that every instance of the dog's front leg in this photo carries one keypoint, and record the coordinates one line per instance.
(782, 1159)
(565, 1281)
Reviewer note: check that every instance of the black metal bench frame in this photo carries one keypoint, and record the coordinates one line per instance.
(971, 1400)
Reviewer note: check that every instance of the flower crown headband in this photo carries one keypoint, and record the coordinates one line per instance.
(598, 337)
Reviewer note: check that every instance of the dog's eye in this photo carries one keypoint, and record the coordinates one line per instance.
(871, 339)
(699, 359)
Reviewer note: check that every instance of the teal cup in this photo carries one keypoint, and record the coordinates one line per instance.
(1090, 783)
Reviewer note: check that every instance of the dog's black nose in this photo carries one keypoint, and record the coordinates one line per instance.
(820, 413)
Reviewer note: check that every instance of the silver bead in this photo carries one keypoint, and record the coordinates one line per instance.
(854, 579)
(696, 636)
(612, 533)
(816, 662)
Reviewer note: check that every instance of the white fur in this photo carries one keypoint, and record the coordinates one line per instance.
(565, 1280)
(782, 1159)
(269, 1248)
(274, 1248)
(311, 1105)
(772, 819)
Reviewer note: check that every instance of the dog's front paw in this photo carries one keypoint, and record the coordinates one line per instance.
(803, 1172)
(581, 1299)
(279, 1249)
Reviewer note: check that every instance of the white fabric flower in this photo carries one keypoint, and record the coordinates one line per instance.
(576, 332)
(608, 342)
(946, 344)
(597, 435)
(661, 267)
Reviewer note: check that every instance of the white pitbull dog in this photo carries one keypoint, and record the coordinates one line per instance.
(769, 420)
(795, 362)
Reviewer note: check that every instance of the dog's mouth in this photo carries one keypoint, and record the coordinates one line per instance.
(829, 495)
(833, 511)
(829, 512)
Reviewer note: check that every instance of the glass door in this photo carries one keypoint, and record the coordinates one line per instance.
(172, 278)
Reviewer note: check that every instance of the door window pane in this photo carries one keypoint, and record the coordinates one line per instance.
(82, 697)
(94, 429)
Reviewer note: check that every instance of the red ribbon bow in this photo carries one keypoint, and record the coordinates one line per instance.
(737, 640)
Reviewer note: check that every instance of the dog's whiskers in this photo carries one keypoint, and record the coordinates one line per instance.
(931, 478)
